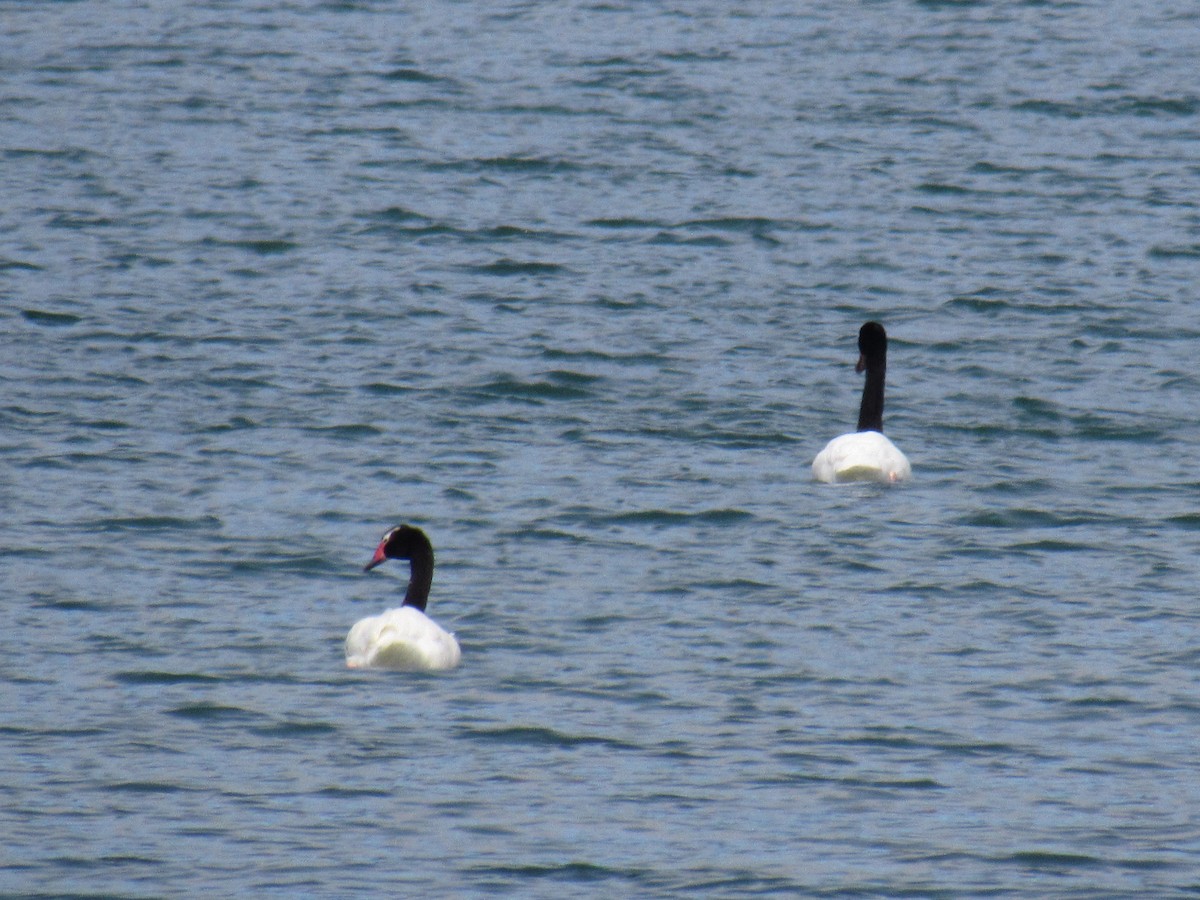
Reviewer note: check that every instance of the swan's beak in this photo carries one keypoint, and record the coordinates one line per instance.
(860, 365)
(377, 558)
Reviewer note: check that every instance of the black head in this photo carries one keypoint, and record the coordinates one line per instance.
(402, 542)
(872, 347)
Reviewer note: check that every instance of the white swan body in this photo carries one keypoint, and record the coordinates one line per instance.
(861, 456)
(403, 638)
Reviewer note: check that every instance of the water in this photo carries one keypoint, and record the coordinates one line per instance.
(575, 287)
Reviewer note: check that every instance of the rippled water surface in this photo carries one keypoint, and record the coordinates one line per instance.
(575, 287)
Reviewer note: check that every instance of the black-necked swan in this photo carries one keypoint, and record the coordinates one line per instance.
(865, 454)
(403, 638)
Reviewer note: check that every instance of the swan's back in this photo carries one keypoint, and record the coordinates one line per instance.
(861, 456)
(403, 638)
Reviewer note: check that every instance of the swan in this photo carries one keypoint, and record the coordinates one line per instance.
(865, 454)
(403, 638)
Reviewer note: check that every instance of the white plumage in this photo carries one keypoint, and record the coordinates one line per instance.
(403, 638)
(861, 456)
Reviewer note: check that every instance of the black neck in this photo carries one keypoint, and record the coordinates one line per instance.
(870, 411)
(419, 579)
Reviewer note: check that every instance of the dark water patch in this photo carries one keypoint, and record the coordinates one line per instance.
(79, 221)
(50, 319)
(1051, 860)
(508, 164)
(104, 425)
(236, 423)
(237, 383)
(296, 729)
(735, 881)
(732, 587)
(1099, 702)
(159, 677)
(570, 873)
(257, 246)
(977, 303)
(1174, 251)
(941, 188)
(1091, 427)
(546, 534)
(144, 787)
(10, 265)
(154, 524)
(1053, 546)
(94, 863)
(501, 233)
(602, 356)
(67, 154)
(507, 268)
(752, 225)
(1037, 409)
(21, 731)
(354, 432)
(620, 224)
(125, 261)
(707, 433)
(274, 563)
(1109, 107)
(121, 643)
(71, 604)
(384, 389)
(537, 736)
(941, 743)
(855, 783)
(1029, 518)
(417, 76)
(552, 386)
(399, 215)
(1155, 106)
(213, 712)
(665, 517)
(345, 793)
(698, 231)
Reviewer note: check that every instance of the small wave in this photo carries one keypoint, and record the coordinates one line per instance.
(671, 517)
(384, 389)
(145, 787)
(1174, 251)
(259, 246)
(155, 523)
(349, 432)
(1028, 518)
(571, 872)
(553, 386)
(511, 267)
(155, 677)
(1047, 859)
(211, 711)
(536, 736)
(296, 729)
(52, 319)
(416, 76)
(528, 164)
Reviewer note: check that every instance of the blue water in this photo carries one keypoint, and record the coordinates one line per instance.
(575, 287)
